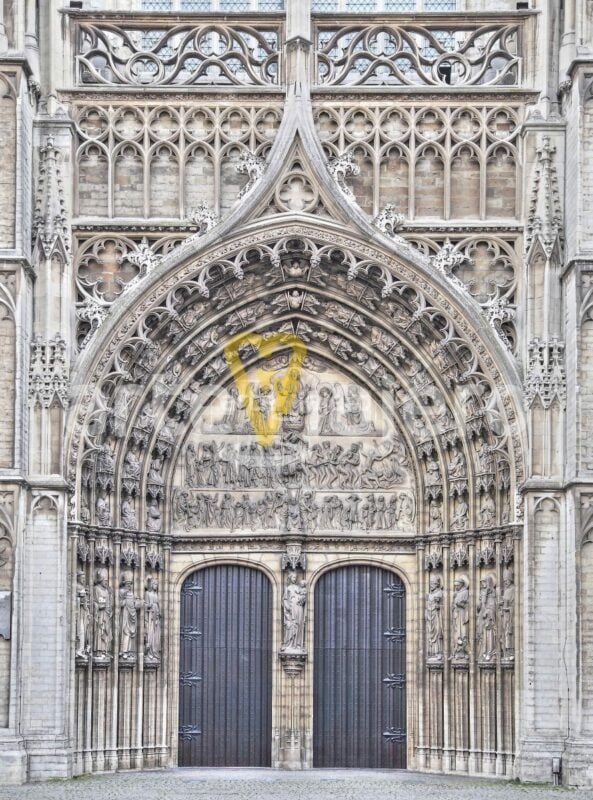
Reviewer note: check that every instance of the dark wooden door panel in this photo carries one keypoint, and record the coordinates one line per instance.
(225, 714)
(359, 669)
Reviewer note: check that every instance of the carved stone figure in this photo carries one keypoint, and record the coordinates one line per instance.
(406, 509)
(102, 509)
(507, 615)
(119, 418)
(153, 517)
(457, 467)
(435, 516)
(486, 623)
(131, 466)
(103, 615)
(128, 620)
(460, 515)
(487, 511)
(85, 514)
(460, 619)
(83, 616)
(128, 515)
(327, 412)
(295, 597)
(105, 468)
(152, 621)
(354, 413)
(434, 620)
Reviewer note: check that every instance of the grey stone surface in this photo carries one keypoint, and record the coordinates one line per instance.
(244, 784)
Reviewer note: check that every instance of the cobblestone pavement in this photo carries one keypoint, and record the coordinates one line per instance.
(242, 784)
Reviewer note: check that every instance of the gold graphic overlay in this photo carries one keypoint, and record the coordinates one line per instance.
(283, 387)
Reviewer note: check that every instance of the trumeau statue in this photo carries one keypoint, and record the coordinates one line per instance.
(83, 616)
(128, 624)
(434, 621)
(486, 633)
(460, 620)
(103, 616)
(152, 621)
(295, 597)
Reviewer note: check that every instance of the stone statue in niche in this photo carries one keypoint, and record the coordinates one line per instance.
(505, 516)
(486, 624)
(326, 412)
(507, 615)
(433, 475)
(460, 515)
(152, 621)
(153, 517)
(457, 467)
(85, 514)
(487, 512)
(293, 603)
(102, 509)
(128, 619)
(128, 515)
(435, 517)
(460, 619)
(83, 616)
(105, 468)
(154, 472)
(434, 621)
(103, 616)
(131, 473)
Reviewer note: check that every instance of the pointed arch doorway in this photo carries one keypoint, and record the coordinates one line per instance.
(225, 675)
(359, 681)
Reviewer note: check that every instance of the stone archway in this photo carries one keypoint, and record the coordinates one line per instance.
(156, 456)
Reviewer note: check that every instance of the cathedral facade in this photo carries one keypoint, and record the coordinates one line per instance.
(296, 306)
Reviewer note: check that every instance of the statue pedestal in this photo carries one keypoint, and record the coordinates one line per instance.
(293, 664)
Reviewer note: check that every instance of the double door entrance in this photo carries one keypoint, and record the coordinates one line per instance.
(226, 658)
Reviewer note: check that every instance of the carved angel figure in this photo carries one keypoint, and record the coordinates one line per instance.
(295, 597)
(434, 620)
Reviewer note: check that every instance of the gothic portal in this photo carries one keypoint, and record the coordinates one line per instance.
(295, 335)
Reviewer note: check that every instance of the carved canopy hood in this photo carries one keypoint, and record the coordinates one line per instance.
(365, 305)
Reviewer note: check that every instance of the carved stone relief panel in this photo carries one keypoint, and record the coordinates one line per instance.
(337, 463)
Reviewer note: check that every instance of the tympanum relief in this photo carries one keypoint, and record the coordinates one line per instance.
(337, 463)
